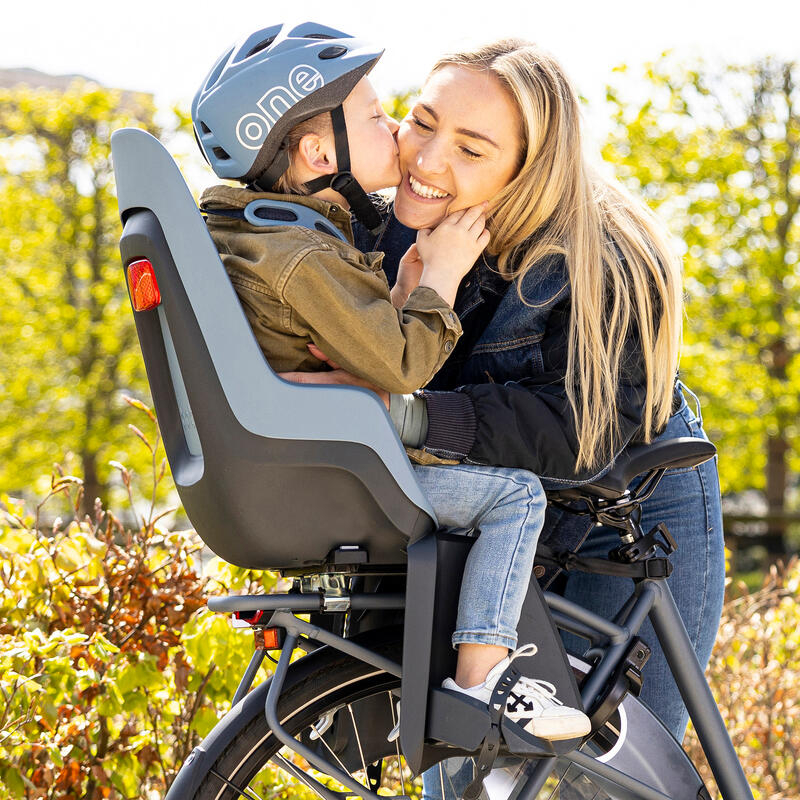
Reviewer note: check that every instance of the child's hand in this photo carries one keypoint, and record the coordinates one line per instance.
(449, 251)
(408, 275)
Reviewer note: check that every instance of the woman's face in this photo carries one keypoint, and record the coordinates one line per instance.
(459, 145)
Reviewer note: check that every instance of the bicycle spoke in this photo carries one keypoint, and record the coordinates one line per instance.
(358, 742)
(339, 761)
(397, 746)
(298, 774)
(246, 792)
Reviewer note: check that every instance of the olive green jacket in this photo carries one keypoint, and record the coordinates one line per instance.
(298, 285)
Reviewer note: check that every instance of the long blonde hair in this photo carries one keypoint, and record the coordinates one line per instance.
(625, 278)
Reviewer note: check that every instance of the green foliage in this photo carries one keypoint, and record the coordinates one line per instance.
(755, 672)
(717, 153)
(68, 346)
(399, 104)
(111, 668)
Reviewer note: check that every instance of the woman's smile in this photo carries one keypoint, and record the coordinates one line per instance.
(423, 191)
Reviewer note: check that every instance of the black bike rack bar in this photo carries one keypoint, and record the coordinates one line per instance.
(302, 602)
(295, 627)
(249, 676)
(703, 709)
(271, 711)
(307, 780)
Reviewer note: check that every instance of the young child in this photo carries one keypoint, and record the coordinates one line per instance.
(290, 113)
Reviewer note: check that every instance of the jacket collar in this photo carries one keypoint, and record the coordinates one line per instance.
(238, 197)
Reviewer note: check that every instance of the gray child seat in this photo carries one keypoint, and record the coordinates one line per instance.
(272, 474)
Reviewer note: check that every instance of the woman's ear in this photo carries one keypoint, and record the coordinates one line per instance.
(317, 154)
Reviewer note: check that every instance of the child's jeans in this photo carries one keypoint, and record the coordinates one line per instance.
(507, 506)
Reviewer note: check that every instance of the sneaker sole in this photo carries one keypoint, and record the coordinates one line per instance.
(576, 732)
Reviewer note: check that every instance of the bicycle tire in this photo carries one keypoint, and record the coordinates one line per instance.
(328, 681)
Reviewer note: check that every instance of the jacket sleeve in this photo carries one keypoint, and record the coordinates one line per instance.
(347, 312)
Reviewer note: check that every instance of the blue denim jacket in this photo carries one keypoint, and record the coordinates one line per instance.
(500, 399)
(511, 341)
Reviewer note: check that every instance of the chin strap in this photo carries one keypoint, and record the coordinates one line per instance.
(342, 181)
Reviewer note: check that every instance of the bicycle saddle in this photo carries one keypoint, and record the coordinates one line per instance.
(685, 451)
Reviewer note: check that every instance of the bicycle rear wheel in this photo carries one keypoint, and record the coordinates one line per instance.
(344, 708)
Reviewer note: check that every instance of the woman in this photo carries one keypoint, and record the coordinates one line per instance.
(571, 326)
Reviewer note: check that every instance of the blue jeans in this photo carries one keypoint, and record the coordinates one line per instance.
(688, 501)
(507, 506)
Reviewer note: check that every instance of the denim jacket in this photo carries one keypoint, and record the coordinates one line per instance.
(500, 398)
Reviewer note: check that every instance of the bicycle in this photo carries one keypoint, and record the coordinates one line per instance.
(370, 566)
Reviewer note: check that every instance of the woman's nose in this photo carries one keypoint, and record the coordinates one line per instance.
(430, 158)
(394, 125)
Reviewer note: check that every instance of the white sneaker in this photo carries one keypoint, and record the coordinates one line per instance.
(532, 702)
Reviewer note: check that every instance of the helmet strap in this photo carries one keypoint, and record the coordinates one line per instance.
(266, 181)
(343, 180)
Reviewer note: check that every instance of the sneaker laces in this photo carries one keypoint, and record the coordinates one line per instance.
(536, 689)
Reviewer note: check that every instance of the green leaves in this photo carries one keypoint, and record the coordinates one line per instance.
(716, 153)
(107, 670)
(68, 349)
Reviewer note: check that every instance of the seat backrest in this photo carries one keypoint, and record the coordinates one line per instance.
(272, 474)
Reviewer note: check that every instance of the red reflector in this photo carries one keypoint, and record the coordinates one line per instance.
(272, 638)
(143, 286)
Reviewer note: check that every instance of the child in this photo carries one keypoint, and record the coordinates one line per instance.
(291, 110)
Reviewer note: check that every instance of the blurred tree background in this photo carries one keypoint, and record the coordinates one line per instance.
(717, 154)
(106, 665)
(68, 346)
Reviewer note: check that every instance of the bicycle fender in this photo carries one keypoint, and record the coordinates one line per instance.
(196, 766)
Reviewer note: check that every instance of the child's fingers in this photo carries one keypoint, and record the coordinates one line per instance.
(317, 353)
(473, 214)
(454, 218)
(484, 238)
(478, 226)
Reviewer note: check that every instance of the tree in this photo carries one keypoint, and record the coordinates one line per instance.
(68, 346)
(717, 153)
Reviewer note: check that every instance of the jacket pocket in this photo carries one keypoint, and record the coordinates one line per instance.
(500, 362)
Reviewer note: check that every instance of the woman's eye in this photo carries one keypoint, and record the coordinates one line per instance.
(420, 124)
(471, 153)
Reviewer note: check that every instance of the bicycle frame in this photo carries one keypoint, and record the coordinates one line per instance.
(611, 642)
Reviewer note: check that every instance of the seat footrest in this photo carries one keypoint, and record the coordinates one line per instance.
(462, 721)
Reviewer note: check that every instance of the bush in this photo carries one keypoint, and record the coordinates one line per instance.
(112, 669)
(109, 660)
(755, 674)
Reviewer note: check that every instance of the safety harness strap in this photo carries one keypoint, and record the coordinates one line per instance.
(652, 567)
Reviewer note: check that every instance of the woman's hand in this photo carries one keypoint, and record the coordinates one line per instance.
(408, 274)
(336, 376)
(449, 251)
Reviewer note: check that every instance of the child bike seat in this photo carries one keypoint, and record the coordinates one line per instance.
(272, 474)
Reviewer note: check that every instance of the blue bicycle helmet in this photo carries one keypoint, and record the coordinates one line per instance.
(267, 84)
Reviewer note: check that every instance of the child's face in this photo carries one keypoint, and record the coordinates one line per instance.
(370, 133)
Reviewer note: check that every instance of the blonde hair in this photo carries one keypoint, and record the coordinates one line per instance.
(321, 125)
(625, 278)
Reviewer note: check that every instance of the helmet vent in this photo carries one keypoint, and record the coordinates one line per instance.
(204, 128)
(221, 154)
(261, 46)
(332, 52)
(280, 214)
(318, 36)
